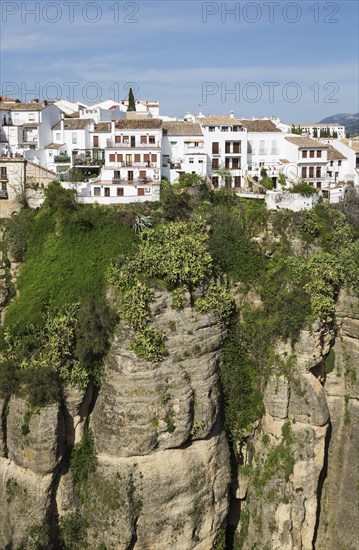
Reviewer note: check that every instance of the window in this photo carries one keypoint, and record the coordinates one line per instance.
(143, 139)
(215, 148)
(32, 116)
(107, 191)
(250, 148)
(112, 157)
(195, 144)
(119, 157)
(146, 158)
(211, 129)
(117, 174)
(319, 154)
(97, 191)
(154, 158)
(237, 181)
(3, 172)
(58, 136)
(262, 147)
(142, 174)
(215, 181)
(126, 140)
(311, 154)
(3, 186)
(120, 191)
(74, 138)
(191, 160)
(215, 164)
(311, 172)
(317, 172)
(95, 141)
(228, 146)
(117, 139)
(200, 161)
(339, 162)
(304, 172)
(141, 191)
(237, 147)
(304, 154)
(137, 158)
(274, 147)
(151, 139)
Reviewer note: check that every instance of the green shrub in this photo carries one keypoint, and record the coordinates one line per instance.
(83, 461)
(329, 362)
(233, 250)
(17, 233)
(149, 344)
(73, 531)
(218, 300)
(303, 188)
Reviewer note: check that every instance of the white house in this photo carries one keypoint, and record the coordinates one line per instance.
(306, 158)
(225, 142)
(132, 169)
(264, 148)
(183, 150)
(26, 126)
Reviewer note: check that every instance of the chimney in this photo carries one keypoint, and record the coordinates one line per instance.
(62, 127)
(231, 114)
(350, 142)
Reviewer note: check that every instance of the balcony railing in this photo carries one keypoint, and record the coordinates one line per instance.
(134, 181)
(62, 160)
(112, 144)
(4, 194)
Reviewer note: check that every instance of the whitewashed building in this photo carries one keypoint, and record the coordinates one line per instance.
(26, 126)
(225, 142)
(132, 169)
(183, 150)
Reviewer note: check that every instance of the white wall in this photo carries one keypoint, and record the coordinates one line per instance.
(290, 201)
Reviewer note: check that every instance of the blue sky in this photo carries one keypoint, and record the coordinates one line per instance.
(295, 60)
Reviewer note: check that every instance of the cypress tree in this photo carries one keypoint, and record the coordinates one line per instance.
(131, 101)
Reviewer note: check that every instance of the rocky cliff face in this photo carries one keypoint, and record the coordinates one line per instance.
(163, 461)
(300, 491)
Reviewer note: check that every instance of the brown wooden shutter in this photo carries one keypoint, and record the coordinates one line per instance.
(140, 191)
(95, 141)
(112, 157)
(153, 158)
(137, 158)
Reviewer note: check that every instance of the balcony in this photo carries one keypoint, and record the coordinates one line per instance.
(134, 181)
(62, 159)
(148, 146)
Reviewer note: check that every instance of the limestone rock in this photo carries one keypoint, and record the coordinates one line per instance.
(40, 449)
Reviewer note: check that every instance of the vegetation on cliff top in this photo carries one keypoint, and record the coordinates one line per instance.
(198, 239)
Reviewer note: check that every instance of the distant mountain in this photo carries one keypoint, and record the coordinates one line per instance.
(351, 122)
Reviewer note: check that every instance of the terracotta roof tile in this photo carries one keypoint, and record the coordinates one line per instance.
(182, 128)
(304, 141)
(334, 154)
(145, 124)
(73, 124)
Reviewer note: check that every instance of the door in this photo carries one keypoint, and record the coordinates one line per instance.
(236, 147)
(107, 191)
(128, 160)
(215, 148)
(95, 141)
(142, 174)
(133, 141)
(130, 175)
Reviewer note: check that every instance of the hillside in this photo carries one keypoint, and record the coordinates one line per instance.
(351, 122)
(181, 375)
